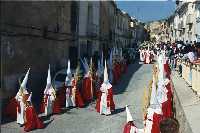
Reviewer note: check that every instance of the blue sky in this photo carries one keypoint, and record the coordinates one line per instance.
(147, 10)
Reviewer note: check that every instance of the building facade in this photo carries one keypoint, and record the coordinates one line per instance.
(184, 23)
(88, 27)
(36, 34)
(40, 28)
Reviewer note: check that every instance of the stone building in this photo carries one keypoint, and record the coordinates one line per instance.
(122, 29)
(34, 34)
(132, 27)
(104, 26)
(184, 23)
(88, 27)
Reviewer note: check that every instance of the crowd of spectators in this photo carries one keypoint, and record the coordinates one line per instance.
(188, 51)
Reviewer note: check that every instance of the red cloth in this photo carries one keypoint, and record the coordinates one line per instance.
(32, 120)
(86, 90)
(11, 109)
(110, 101)
(167, 70)
(127, 127)
(43, 104)
(169, 93)
(167, 109)
(167, 105)
(56, 106)
(78, 99)
(98, 102)
(156, 122)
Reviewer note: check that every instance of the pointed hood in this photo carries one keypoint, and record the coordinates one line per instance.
(29, 98)
(106, 84)
(48, 78)
(24, 82)
(68, 69)
(128, 114)
(68, 76)
(105, 73)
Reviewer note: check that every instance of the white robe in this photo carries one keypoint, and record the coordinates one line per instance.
(104, 109)
(20, 116)
(70, 102)
(50, 99)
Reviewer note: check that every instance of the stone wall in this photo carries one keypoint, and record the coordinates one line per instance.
(34, 34)
(180, 115)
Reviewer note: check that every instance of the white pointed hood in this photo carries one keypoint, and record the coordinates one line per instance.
(49, 78)
(91, 63)
(128, 114)
(106, 84)
(69, 75)
(29, 98)
(24, 82)
(105, 74)
(68, 68)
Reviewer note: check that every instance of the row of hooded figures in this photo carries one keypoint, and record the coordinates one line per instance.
(94, 85)
(157, 108)
(158, 103)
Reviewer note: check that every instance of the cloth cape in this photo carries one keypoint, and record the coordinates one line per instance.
(32, 120)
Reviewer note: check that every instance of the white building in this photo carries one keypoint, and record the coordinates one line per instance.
(184, 23)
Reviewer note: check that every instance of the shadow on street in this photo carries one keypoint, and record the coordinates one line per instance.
(125, 78)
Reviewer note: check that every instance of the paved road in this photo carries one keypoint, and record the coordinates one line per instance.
(129, 91)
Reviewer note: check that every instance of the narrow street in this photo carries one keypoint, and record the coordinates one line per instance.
(128, 91)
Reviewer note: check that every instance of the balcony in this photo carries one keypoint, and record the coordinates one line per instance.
(189, 19)
(92, 30)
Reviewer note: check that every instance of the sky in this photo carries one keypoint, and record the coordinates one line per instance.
(147, 10)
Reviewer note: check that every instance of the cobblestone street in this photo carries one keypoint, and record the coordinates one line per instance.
(129, 91)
